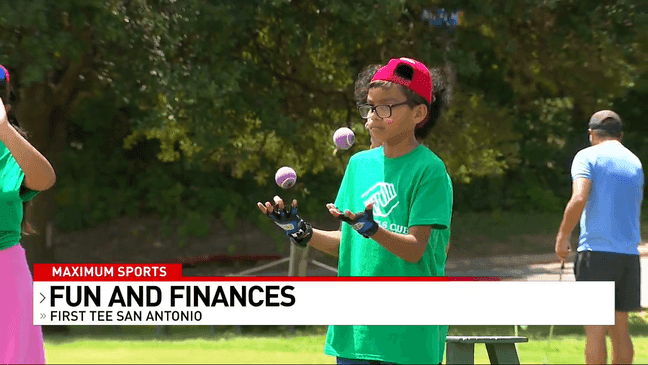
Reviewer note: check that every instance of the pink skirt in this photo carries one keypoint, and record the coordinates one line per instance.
(20, 341)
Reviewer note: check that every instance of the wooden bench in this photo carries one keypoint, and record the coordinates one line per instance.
(501, 349)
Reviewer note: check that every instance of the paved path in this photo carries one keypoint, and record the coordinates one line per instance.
(533, 268)
(543, 267)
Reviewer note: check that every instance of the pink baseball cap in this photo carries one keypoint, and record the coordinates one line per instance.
(407, 72)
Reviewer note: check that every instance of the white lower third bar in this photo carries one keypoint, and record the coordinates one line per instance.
(324, 303)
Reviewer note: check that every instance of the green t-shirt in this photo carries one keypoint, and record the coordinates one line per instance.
(411, 190)
(11, 207)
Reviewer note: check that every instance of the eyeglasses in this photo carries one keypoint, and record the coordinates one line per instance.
(382, 111)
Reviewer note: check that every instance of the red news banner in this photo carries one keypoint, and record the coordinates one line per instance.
(173, 272)
(158, 294)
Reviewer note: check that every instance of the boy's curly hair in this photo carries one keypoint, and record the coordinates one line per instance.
(439, 86)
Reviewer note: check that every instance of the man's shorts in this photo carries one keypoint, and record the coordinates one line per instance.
(623, 269)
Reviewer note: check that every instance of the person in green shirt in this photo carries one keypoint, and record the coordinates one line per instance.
(397, 202)
(23, 172)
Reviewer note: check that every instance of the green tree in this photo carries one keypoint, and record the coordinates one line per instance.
(246, 87)
(550, 64)
(61, 53)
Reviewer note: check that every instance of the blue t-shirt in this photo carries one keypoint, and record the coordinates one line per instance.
(611, 219)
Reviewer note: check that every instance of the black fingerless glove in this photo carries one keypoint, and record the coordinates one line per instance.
(299, 231)
(363, 224)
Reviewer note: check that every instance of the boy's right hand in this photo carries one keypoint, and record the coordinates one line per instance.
(362, 222)
(299, 231)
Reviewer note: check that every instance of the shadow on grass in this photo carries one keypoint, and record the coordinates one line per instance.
(534, 332)
(182, 333)
(503, 233)
(175, 333)
(480, 234)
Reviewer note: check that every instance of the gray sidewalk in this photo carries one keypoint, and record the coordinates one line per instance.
(544, 267)
(515, 266)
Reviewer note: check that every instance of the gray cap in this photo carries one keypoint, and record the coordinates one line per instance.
(599, 120)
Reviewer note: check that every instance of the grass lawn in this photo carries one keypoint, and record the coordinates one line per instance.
(194, 345)
(475, 233)
(244, 350)
(289, 350)
(503, 233)
(561, 350)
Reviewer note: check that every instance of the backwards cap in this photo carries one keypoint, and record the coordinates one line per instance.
(407, 72)
(614, 127)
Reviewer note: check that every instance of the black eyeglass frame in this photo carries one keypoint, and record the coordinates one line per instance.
(374, 109)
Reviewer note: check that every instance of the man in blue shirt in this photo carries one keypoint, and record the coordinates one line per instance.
(607, 191)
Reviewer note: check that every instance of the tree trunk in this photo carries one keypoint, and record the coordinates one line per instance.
(39, 245)
(46, 128)
(299, 257)
(445, 41)
(46, 125)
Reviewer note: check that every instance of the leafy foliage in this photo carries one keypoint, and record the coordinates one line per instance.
(187, 108)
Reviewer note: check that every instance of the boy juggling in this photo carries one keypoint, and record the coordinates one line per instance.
(396, 202)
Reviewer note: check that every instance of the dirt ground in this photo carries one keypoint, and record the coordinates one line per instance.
(222, 252)
(125, 240)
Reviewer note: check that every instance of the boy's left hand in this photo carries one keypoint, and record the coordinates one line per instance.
(299, 231)
(362, 222)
